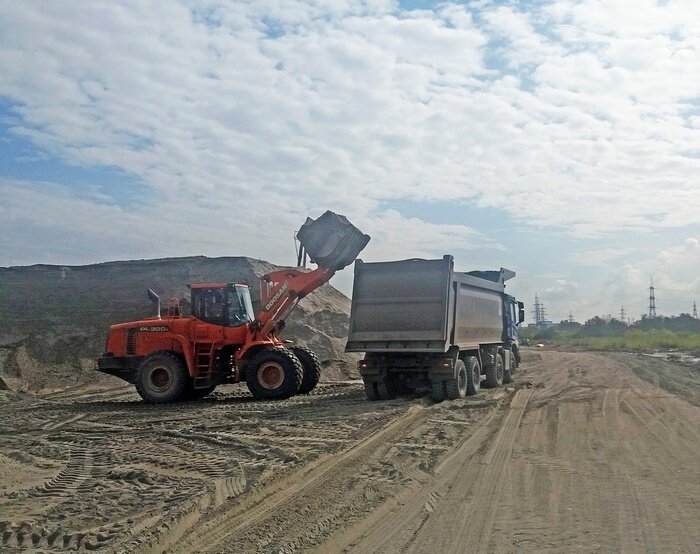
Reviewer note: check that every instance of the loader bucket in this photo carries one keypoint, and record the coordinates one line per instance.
(331, 241)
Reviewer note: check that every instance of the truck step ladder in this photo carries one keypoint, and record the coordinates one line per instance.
(204, 364)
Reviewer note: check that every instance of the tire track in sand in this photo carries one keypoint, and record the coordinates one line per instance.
(474, 521)
(238, 518)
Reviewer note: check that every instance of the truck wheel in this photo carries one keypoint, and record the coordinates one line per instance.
(457, 388)
(312, 369)
(371, 391)
(516, 352)
(274, 373)
(386, 390)
(507, 376)
(161, 377)
(494, 373)
(439, 391)
(473, 375)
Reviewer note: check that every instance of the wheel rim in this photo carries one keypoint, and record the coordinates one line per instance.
(476, 376)
(270, 375)
(499, 371)
(160, 379)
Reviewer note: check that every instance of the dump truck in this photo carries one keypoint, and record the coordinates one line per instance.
(173, 357)
(422, 324)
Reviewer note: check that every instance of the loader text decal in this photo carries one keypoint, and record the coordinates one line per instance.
(276, 297)
(155, 329)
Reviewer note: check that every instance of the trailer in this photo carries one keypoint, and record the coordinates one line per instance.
(422, 324)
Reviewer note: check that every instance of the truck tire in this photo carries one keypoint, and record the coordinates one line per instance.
(457, 388)
(473, 375)
(274, 374)
(516, 353)
(312, 368)
(494, 373)
(371, 391)
(162, 377)
(439, 393)
(507, 376)
(386, 390)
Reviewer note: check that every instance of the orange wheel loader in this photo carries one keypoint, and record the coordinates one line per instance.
(174, 357)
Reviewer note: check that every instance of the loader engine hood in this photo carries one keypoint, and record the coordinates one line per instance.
(331, 241)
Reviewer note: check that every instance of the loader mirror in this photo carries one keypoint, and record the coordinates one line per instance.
(521, 312)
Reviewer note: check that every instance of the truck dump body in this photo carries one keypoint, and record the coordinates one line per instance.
(422, 306)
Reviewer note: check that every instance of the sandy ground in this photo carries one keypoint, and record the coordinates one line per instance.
(579, 455)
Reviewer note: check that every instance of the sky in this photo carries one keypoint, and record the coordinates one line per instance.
(559, 139)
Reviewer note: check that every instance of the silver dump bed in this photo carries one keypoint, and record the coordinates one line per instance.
(422, 306)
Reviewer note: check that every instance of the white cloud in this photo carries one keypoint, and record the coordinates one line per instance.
(240, 119)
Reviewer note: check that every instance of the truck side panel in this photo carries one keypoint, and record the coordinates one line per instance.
(401, 306)
(479, 318)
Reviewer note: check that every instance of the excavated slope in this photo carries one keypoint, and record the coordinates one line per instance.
(54, 319)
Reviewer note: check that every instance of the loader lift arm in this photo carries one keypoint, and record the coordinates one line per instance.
(280, 292)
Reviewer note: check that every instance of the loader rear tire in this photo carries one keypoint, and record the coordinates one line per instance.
(494, 373)
(162, 377)
(457, 388)
(473, 375)
(312, 369)
(274, 374)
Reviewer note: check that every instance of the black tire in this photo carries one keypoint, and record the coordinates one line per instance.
(371, 391)
(516, 352)
(386, 390)
(494, 373)
(162, 377)
(274, 374)
(473, 375)
(439, 393)
(457, 388)
(507, 376)
(312, 369)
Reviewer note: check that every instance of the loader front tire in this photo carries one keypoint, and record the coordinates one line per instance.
(274, 374)
(312, 369)
(162, 377)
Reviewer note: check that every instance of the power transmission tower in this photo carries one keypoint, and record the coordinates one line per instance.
(538, 312)
(571, 317)
(623, 315)
(652, 299)
(695, 310)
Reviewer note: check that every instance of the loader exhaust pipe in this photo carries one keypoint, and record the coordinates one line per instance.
(156, 300)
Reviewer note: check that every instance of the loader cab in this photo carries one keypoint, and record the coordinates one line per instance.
(227, 304)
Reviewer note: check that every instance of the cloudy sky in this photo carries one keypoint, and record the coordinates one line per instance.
(560, 139)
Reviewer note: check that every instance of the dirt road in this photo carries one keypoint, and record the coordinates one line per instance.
(580, 455)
